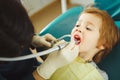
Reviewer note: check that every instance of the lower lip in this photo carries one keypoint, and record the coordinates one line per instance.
(77, 42)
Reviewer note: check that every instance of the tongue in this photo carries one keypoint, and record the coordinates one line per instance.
(77, 39)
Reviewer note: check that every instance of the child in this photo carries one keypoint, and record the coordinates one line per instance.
(92, 38)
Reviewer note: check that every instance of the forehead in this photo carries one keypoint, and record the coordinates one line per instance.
(91, 18)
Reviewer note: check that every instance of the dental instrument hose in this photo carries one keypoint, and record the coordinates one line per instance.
(58, 47)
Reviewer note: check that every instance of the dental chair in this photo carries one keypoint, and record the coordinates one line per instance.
(64, 23)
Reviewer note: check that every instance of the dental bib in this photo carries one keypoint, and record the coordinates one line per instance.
(77, 70)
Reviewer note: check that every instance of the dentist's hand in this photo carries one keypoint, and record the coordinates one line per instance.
(58, 59)
(45, 40)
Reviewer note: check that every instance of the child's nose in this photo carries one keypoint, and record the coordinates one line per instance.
(78, 30)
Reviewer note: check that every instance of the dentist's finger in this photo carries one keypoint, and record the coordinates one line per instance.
(45, 43)
(49, 37)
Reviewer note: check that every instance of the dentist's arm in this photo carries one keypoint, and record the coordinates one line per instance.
(55, 61)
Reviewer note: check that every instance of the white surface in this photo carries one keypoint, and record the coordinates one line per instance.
(32, 6)
(82, 2)
(63, 6)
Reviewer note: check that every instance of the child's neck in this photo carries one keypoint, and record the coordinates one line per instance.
(86, 57)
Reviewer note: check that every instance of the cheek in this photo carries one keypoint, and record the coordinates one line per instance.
(94, 41)
(73, 30)
(90, 40)
(87, 45)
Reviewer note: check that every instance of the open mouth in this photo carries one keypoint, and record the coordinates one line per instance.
(77, 39)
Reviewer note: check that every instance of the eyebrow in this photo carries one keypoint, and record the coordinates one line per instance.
(90, 23)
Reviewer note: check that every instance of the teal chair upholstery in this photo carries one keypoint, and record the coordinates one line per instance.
(111, 6)
(64, 23)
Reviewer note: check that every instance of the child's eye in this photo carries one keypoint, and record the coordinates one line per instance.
(77, 25)
(89, 28)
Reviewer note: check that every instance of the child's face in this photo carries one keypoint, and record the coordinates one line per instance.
(86, 33)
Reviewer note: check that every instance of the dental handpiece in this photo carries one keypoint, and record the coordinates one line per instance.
(55, 48)
(58, 47)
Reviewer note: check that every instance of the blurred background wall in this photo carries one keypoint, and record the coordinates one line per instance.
(42, 12)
